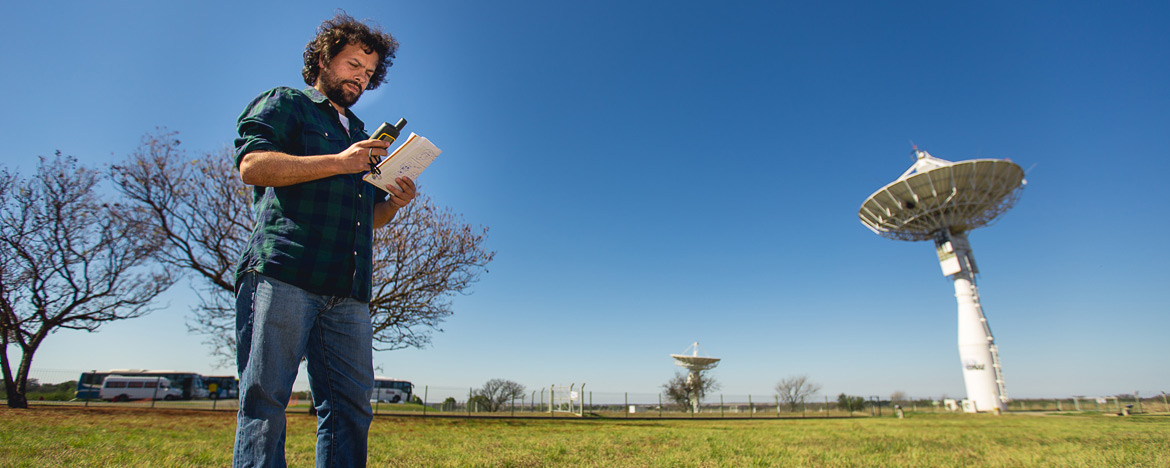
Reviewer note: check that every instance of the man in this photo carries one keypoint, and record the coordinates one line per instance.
(303, 283)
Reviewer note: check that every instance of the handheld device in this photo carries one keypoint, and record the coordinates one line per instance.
(387, 133)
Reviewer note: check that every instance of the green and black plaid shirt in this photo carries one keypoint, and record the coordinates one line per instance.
(316, 235)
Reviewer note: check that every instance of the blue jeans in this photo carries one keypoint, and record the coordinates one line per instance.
(276, 325)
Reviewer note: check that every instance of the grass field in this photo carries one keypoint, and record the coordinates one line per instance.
(71, 436)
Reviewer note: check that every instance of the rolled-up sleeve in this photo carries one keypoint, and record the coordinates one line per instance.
(267, 123)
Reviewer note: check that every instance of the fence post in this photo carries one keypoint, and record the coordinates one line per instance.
(626, 407)
(425, 388)
(1139, 400)
(469, 401)
(720, 405)
(751, 408)
(154, 395)
(660, 405)
(89, 387)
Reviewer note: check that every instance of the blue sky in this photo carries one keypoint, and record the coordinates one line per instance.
(658, 173)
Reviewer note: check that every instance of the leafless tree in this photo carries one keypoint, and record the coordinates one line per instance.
(497, 393)
(203, 210)
(794, 390)
(68, 260)
(898, 397)
(687, 392)
(425, 256)
(200, 206)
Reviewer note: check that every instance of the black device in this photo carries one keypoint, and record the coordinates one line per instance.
(387, 133)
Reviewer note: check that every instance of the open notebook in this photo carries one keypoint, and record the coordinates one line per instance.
(409, 160)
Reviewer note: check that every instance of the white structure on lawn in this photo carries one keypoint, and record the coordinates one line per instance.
(695, 364)
(940, 200)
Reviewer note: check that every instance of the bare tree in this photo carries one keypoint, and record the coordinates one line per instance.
(794, 390)
(421, 260)
(687, 392)
(203, 210)
(898, 397)
(68, 260)
(497, 393)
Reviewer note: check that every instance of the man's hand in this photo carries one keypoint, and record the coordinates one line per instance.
(401, 197)
(358, 156)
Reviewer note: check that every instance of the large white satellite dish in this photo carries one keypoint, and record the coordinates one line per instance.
(941, 200)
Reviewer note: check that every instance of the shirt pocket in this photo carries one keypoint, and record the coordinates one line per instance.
(316, 140)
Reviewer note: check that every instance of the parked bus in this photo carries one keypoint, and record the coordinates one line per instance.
(123, 388)
(393, 391)
(191, 384)
(225, 386)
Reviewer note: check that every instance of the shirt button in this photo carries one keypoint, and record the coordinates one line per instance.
(355, 252)
(359, 223)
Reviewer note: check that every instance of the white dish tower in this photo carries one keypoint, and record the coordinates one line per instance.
(940, 200)
(695, 364)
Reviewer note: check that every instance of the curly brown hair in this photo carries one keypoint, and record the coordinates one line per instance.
(340, 31)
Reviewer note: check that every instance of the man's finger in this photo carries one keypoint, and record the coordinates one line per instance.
(407, 184)
(373, 144)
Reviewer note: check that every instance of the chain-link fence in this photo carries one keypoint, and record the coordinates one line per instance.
(58, 387)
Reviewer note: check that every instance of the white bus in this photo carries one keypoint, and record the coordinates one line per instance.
(127, 388)
(391, 391)
(190, 383)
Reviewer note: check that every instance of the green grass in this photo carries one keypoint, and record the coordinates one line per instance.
(60, 436)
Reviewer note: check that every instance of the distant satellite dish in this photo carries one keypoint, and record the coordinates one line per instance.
(694, 364)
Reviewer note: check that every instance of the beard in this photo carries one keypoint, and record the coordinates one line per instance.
(334, 88)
